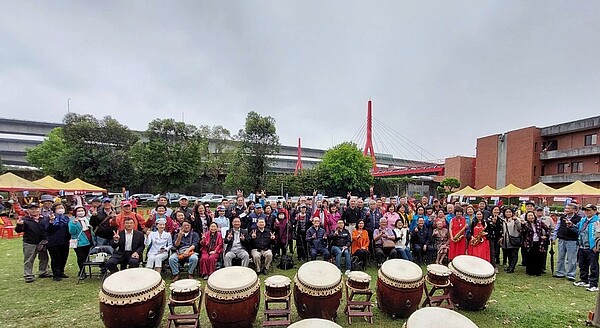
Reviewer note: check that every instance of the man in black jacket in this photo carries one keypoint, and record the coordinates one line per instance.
(421, 241)
(341, 240)
(100, 222)
(566, 233)
(261, 240)
(130, 243)
(33, 227)
(351, 215)
(237, 244)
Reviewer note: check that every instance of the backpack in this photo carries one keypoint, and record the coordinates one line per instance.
(286, 262)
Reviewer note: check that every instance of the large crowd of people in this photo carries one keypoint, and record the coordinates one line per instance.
(360, 233)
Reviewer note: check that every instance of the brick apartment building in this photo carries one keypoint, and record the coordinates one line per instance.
(555, 155)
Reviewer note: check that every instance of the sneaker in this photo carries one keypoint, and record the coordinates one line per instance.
(557, 276)
(347, 272)
(581, 284)
(29, 279)
(592, 289)
(46, 275)
(571, 279)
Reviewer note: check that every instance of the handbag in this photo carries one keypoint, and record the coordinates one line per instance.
(512, 240)
(286, 262)
(389, 244)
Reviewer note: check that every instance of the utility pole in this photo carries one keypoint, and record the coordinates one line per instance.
(68, 105)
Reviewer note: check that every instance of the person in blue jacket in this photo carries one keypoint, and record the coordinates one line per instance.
(588, 250)
(58, 240)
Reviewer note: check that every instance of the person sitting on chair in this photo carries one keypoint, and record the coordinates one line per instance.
(261, 240)
(130, 243)
(421, 242)
(237, 244)
(340, 245)
(380, 236)
(316, 237)
(185, 245)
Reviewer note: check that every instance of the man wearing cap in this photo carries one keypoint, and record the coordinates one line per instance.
(101, 223)
(250, 222)
(237, 240)
(130, 244)
(183, 206)
(566, 233)
(186, 245)
(138, 220)
(588, 230)
(34, 232)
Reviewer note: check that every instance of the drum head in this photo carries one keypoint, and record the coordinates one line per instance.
(314, 323)
(359, 276)
(277, 281)
(438, 269)
(319, 274)
(401, 270)
(232, 278)
(185, 285)
(435, 317)
(473, 266)
(131, 281)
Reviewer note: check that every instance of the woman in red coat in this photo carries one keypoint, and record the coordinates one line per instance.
(479, 245)
(458, 235)
(212, 247)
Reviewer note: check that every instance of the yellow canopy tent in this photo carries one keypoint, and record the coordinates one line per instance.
(79, 185)
(538, 190)
(508, 191)
(51, 183)
(485, 192)
(11, 182)
(577, 188)
(466, 191)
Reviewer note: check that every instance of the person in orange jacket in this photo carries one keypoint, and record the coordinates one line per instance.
(126, 212)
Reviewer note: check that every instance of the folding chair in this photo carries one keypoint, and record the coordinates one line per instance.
(97, 257)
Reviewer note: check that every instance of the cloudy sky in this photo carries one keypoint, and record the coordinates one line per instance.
(440, 73)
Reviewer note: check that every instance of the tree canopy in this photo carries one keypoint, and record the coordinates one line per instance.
(344, 168)
(170, 158)
(258, 143)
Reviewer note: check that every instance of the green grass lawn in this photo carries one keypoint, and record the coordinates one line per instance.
(517, 301)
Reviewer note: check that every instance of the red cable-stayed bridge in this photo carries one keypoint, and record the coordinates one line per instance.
(414, 160)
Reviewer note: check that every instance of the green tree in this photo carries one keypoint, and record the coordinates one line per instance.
(2, 168)
(447, 186)
(170, 159)
(217, 154)
(238, 176)
(344, 168)
(50, 155)
(258, 142)
(98, 150)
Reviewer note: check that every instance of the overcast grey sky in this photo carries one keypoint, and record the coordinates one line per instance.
(440, 73)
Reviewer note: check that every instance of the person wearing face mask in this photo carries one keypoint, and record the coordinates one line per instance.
(80, 229)
(58, 240)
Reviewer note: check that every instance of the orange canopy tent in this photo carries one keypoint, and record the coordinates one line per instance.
(11, 182)
(538, 190)
(466, 191)
(485, 192)
(51, 183)
(577, 189)
(79, 185)
(508, 191)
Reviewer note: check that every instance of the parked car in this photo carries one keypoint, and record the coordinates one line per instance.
(276, 198)
(213, 199)
(142, 197)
